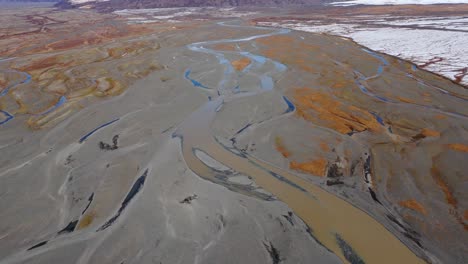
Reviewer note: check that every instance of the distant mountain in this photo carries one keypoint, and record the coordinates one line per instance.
(134, 4)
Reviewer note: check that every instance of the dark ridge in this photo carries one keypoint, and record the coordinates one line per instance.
(334, 171)
(334, 182)
(90, 200)
(167, 129)
(274, 253)
(133, 191)
(353, 166)
(69, 228)
(283, 179)
(248, 190)
(373, 195)
(311, 234)
(189, 199)
(82, 139)
(418, 137)
(416, 240)
(233, 140)
(367, 168)
(38, 245)
(69, 160)
(348, 251)
(114, 146)
(289, 217)
(407, 232)
(393, 219)
(277, 176)
(242, 129)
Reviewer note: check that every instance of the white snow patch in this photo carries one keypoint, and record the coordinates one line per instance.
(414, 44)
(397, 2)
(77, 2)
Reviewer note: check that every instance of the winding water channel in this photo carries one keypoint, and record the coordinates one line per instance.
(347, 231)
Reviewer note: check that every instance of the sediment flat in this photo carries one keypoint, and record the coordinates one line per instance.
(218, 141)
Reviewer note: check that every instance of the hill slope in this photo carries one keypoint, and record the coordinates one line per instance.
(130, 4)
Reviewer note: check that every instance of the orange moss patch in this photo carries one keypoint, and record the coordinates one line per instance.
(241, 64)
(430, 133)
(436, 175)
(459, 147)
(405, 100)
(340, 84)
(440, 116)
(315, 167)
(449, 197)
(413, 205)
(281, 148)
(224, 47)
(86, 220)
(97, 36)
(339, 117)
(294, 56)
(41, 64)
(324, 147)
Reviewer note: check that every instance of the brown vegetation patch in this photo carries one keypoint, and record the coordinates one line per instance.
(335, 115)
(41, 64)
(281, 148)
(315, 167)
(224, 47)
(459, 147)
(437, 176)
(86, 220)
(324, 146)
(449, 197)
(98, 36)
(413, 205)
(293, 56)
(405, 100)
(241, 64)
(430, 133)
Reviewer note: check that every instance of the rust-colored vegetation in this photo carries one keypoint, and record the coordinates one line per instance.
(241, 64)
(405, 100)
(437, 176)
(319, 107)
(458, 147)
(430, 133)
(224, 47)
(324, 146)
(440, 116)
(413, 205)
(86, 220)
(315, 167)
(281, 148)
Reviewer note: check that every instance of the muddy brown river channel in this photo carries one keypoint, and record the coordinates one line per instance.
(347, 231)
